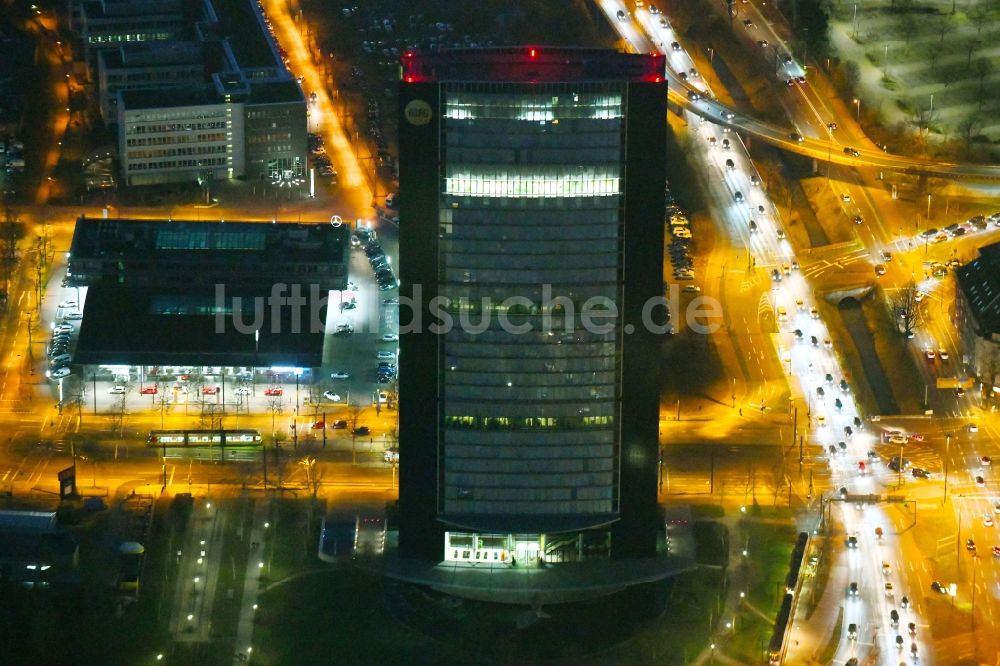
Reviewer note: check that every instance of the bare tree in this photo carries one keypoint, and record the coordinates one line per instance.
(77, 394)
(163, 396)
(983, 68)
(978, 14)
(907, 28)
(276, 406)
(908, 309)
(315, 397)
(968, 128)
(11, 232)
(119, 408)
(971, 48)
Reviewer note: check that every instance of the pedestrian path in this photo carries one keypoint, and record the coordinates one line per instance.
(243, 648)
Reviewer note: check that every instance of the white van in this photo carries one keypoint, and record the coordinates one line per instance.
(386, 355)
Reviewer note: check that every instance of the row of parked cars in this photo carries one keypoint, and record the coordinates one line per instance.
(380, 263)
(58, 353)
(317, 152)
(680, 242)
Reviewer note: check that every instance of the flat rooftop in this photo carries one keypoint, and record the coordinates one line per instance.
(238, 22)
(169, 97)
(259, 242)
(154, 54)
(980, 282)
(276, 92)
(165, 327)
(532, 64)
(237, 255)
(125, 9)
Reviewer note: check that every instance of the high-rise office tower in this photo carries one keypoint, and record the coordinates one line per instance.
(531, 242)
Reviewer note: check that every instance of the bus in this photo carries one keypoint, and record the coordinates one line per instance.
(221, 438)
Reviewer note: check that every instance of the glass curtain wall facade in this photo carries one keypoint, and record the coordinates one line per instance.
(531, 218)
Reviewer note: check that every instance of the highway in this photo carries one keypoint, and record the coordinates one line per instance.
(804, 348)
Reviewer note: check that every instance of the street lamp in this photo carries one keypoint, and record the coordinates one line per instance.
(857, 103)
(253, 370)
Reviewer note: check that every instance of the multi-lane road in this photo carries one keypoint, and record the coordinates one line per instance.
(835, 420)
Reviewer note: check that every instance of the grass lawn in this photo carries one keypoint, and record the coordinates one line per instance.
(907, 55)
(769, 546)
(711, 542)
(826, 205)
(683, 630)
(337, 616)
(893, 351)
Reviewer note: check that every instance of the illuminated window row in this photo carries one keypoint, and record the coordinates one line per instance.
(528, 423)
(533, 185)
(532, 107)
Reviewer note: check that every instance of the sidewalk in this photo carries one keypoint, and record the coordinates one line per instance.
(251, 583)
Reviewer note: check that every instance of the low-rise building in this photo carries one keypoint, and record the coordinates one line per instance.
(100, 24)
(147, 65)
(232, 294)
(977, 317)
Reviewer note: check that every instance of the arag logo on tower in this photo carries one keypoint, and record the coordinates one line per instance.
(417, 112)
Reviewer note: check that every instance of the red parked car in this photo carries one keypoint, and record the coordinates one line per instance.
(148, 390)
(273, 391)
(209, 390)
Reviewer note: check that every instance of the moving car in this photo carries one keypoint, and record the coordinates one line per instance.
(795, 136)
(852, 152)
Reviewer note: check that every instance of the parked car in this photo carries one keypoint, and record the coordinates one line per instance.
(273, 391)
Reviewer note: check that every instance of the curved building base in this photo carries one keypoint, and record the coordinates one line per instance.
(510, 583)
